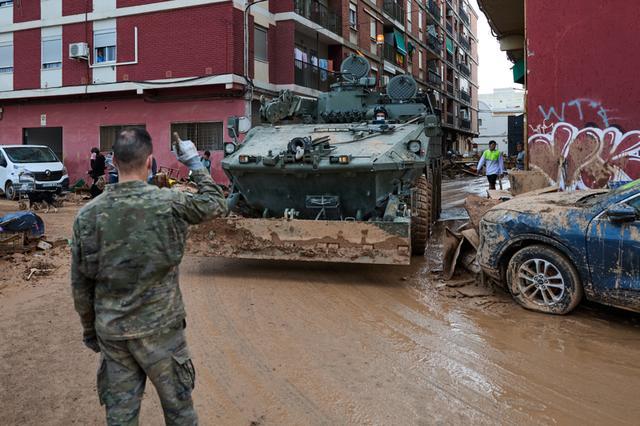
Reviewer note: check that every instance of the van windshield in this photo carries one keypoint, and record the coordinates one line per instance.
(31, 154)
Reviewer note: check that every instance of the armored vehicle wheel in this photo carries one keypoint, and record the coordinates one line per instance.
(421, 221)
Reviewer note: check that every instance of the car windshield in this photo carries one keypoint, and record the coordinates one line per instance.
(594, 197)
(31, 154)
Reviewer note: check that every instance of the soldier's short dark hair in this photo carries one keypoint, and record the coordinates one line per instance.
(492, 142)
(132, 148)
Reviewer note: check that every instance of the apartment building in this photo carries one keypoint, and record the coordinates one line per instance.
(75, 72)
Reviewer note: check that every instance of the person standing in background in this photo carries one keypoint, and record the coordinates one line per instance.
(492, 160)
(206, 161)
(98, 164)
(520, 157)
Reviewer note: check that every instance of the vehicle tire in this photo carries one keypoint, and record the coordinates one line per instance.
(9, 191)
(542, 279)
(421, 221)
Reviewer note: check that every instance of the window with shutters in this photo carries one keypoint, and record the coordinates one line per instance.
(104, 46)
(207, 136)
(52, 52)
(109, 134)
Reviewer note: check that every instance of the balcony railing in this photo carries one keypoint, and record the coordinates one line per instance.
(316, 12)
(464, 69)
(434, 43)
(466, 45)
(394, 9)
(466, 97)
(451, 120)
(434, 9)
(391, 54)
(434, 78)
(449, 27)
(450, 88)
(465, 124)
(313, 77)
(464, 16)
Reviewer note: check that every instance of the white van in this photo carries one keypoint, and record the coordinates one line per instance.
(30, 168)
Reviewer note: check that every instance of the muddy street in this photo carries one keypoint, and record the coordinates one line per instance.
(308, 343)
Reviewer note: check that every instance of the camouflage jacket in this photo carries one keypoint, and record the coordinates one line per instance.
(127, 245)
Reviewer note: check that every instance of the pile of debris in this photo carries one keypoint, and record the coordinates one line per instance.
(23, 232)
(460, 245)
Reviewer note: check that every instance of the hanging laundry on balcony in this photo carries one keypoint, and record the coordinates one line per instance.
(400, 44)
(450, 48)
(323, 64)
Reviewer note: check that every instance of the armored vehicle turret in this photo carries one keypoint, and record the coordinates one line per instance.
(348, 177)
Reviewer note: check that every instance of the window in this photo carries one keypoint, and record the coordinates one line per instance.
(109, 134)
(104, 46)
(479, 121)
(420, 58)
(353, 16)
(6, 58)
(206, 136)
(260, 43)
(409, 10)
(420, 19)
(6, 3)
(373, 31)
(51, 53)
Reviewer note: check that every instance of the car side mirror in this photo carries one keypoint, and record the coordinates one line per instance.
(621, 213)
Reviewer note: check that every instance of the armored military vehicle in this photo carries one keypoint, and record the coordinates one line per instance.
(353, 176)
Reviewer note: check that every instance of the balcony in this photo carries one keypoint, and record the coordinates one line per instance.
(313, 77)
(464, 69)
(464, 16)
(316, 12)
(434, 43)
(465, 124)
(450, 88)
(434, 9)
(466, 44)
(434, 78)
(391, 54)
(465, 96)
(394, 9)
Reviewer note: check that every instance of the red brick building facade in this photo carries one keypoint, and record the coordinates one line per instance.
(180, 64)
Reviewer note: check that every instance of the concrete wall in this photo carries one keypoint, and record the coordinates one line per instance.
(583, 96)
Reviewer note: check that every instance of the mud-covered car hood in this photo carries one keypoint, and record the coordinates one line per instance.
(546, 203)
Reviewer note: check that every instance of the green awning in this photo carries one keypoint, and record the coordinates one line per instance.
(518, 71)
(400, 46)
(450, 48)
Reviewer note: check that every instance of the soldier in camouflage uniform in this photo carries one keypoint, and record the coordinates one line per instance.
(127, 245)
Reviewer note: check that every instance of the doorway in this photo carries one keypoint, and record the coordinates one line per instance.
(48, 136)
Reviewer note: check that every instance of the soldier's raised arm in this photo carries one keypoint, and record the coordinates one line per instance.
(209, 202)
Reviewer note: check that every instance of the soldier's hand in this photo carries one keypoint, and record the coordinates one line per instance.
(92, 343)
(187, 153)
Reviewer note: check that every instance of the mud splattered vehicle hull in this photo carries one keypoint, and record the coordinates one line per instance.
(303, 240)
(343, 179)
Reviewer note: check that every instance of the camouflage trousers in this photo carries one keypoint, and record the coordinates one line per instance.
(125, 366)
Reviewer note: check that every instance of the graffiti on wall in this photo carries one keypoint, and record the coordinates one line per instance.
(585, 158)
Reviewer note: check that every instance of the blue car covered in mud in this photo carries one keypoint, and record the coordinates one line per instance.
(552, 250)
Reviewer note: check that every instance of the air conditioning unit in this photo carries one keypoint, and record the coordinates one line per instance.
(449, 13)
(78, 50)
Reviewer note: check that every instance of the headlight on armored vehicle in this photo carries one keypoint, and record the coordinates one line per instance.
(414, 146)
(244, 159)
(340, 159)
(229, 148)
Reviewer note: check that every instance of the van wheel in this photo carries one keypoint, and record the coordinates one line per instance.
(542, 279)
(421, 222)
(9, 191)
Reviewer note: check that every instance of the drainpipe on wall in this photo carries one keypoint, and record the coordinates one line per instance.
(249, 96)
